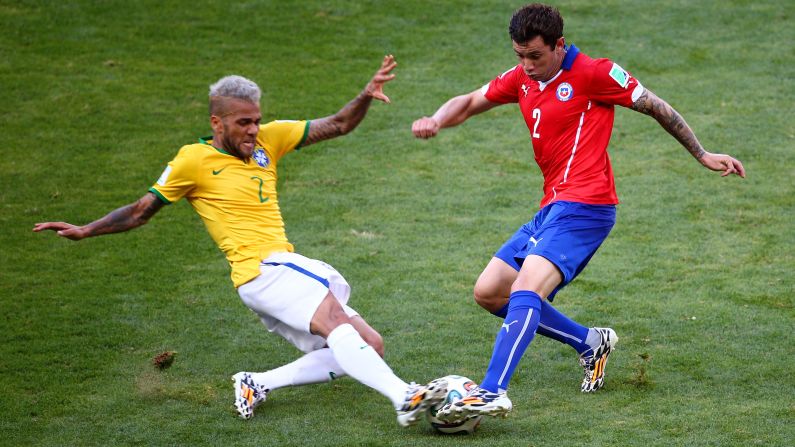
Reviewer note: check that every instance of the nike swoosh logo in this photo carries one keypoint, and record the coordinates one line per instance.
(219, 171)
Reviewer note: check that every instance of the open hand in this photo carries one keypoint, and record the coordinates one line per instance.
(375, 87)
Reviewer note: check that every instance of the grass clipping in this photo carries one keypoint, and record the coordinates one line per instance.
(164, 360)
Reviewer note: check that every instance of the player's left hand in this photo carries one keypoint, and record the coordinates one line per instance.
(722, 162)
(375, 87)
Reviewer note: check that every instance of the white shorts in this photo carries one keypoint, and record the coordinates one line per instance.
(287, 293)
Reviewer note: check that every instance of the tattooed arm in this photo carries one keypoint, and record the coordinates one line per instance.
(352, 114)
(123, 219)
(650, 104)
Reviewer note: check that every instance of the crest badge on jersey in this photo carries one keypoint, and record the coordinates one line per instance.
(261, 157)
(619, 75)
(564, 92)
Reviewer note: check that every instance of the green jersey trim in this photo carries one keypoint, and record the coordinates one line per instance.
(306, 134)
(204, 140)
(159, 196)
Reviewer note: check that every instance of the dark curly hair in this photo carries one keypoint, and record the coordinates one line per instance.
(536, 20)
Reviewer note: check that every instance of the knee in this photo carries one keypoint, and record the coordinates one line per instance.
(328, 317)
(488, 299)
(339, 317)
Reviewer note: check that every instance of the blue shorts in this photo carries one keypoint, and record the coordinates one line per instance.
(566, 233)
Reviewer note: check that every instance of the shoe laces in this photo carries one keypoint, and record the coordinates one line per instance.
(259, 390)
(411, 401)
(586, 359)
(477, 391)
(483, 393)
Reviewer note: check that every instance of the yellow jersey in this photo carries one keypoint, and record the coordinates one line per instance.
(237, 200)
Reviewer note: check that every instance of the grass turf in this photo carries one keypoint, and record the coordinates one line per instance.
(696, 277)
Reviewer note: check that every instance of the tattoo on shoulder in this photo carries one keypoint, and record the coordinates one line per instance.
(643, 104)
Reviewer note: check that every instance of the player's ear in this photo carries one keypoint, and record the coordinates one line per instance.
(217, 124)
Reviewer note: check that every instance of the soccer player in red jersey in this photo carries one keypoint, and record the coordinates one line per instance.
(567, 100)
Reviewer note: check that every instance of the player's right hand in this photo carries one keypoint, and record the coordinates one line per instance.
(425, 127)
(63, 229)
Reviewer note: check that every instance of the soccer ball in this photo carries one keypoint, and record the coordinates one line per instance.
(457, 388)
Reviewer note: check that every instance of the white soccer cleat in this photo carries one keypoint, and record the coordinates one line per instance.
(594, 361)
(419, 399)
(247, 394)
(478, 402)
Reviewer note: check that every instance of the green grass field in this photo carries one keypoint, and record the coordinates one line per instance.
(696, 278)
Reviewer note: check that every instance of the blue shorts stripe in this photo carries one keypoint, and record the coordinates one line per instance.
(299, 269)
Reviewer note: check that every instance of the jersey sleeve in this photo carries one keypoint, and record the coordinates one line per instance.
(179, 177)
(612, 84)
(282, 136)
(504, 88)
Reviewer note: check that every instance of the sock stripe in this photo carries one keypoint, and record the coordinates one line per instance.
(515, 345)
(561, 333)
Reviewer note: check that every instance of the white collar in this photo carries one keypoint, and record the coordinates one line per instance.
(543, 84)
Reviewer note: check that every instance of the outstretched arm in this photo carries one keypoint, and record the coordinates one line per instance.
(353, 113)
(123, 219)
(650, 104)
(452, 113)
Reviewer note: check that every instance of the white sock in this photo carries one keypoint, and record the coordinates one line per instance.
(361, 362)
(594, 338)
(315, 367)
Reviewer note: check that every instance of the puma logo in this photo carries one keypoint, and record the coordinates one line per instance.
(535, 241)
(525, 89)
(508, 326)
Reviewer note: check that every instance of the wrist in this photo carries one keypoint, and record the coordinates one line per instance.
(369, 90)
(700, 154)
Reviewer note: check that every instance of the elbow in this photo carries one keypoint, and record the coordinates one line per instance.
(344, 123)
(143, 210)
(344, 127)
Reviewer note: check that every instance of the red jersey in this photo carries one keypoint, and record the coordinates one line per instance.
(570, 118)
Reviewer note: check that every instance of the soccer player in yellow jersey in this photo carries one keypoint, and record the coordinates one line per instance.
(230, 180)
